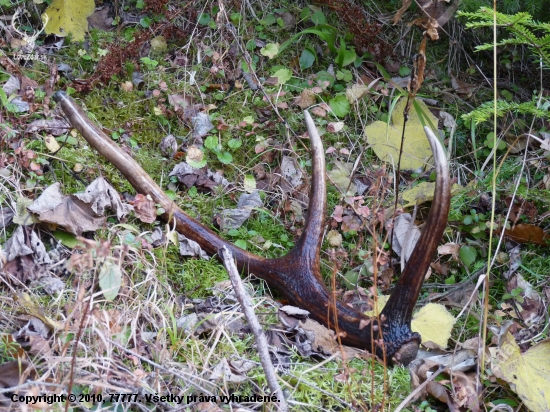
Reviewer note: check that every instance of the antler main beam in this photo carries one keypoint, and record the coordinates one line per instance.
(297, 276)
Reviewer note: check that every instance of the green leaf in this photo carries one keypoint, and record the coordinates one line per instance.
(251, 44)
(351, 279)
(235, 143)
(468, 255)
(270, 50)
(283, 75)
(318, 18)
(110, 279)
(211, 142)
(307, 58)
(305, 13)
(196, 164)
(67, 140)
(345, 56)
(204, 19)
(236, 17)
(339, 105)
(22, 215)
(269, 20)
(404, 71)
(65, 238)
(383, 71)
(225, 157)
(241, 243)
(192, 192)
(249, 183)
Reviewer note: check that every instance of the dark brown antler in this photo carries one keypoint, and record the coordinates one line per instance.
(297, 276)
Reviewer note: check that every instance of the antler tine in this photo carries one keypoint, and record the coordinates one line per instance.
(312, 236)
(400, 305)
(143, 183)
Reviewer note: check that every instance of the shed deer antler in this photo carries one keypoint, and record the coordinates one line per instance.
(297, 276)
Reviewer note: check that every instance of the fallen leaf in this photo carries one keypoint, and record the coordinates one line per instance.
(356, 92)
(234, 218)
(319, 111)
(33, 337)
(291, 171)
(100, 19)
(434, 323)
(29, 307)
(73, 214)
(6, 217)
(527, 373)
(405, 236)
(525, 233)
(337, 214)
(335, 127)
(144, 208)
(110, 279)
(449, 249)
(334, 238)
(189, 247)
(22, 216)
(386, 139)
(25, 242)
(223, 371)
(201, 124)
(168, 145)
(101, 195)
(424, 192)
(399, 14)
(377, 309)
(69, 16)
(306, 99)
(52, 144)
(195, 157)
(340, 177)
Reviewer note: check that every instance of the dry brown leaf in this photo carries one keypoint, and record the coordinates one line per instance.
(525, 233)
(144, 208)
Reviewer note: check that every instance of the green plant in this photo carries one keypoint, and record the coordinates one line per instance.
(215, 146)
(345, 54)
(150, 63)
(6, 102)
(511, 6)
(475, 224)
(514, 294)
(522, 31)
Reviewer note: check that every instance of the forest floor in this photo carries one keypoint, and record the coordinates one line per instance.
(103, 300)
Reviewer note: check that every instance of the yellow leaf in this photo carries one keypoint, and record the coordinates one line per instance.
(51, 143)
(424, 192)
(69, 16)
(528, 371)
(386, 140)
(434, 323)
(382, 300)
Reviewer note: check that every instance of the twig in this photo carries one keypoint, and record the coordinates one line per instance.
(261, 341)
